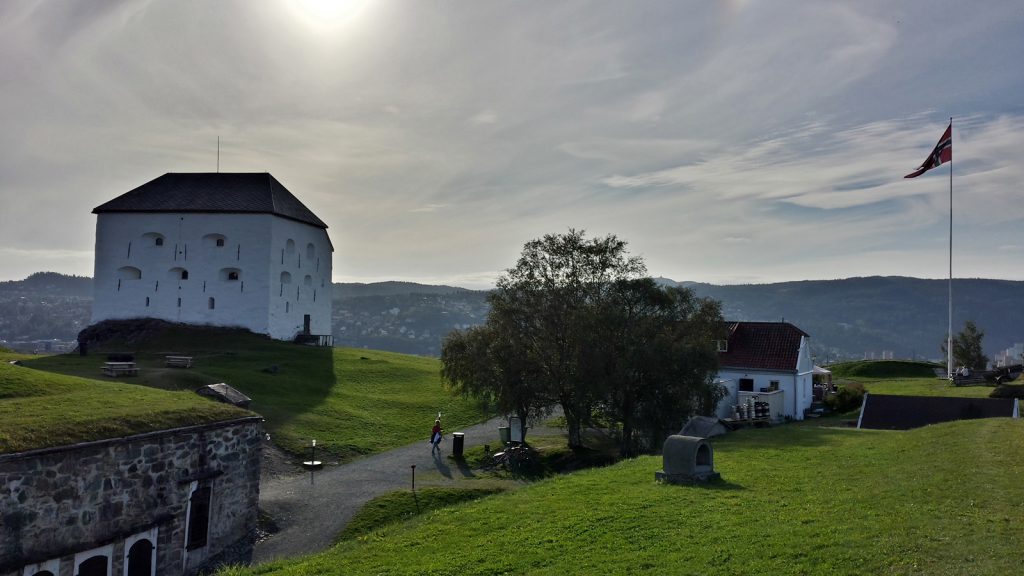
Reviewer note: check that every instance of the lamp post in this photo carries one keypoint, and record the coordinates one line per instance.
(312, 463)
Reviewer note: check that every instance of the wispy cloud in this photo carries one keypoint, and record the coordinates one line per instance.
(737, 140)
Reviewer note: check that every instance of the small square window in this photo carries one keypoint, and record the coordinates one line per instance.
(220, 242)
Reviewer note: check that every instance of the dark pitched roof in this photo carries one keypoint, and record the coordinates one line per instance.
(213, 192)
(762, 346)
(892, 412)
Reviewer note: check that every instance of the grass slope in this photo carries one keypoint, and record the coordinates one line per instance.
(883, 369)
(39, 409)
(795, 500)
(351, 401)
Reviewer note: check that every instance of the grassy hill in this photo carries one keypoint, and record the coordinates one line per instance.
(351, 401)
(40, 409)
(798, 499)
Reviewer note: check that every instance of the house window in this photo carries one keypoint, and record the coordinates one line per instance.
(287, 306)
(158, 241)
(220, 242)
(232, 275)
(723, 345)
(147, 301)
(210, 303)
(198, 517)
(179, 302)
(746, 384)
(184, 274)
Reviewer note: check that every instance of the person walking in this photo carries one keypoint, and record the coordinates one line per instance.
(435, 435)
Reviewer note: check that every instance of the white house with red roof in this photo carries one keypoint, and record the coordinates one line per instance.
(221, 249)
(767, 360)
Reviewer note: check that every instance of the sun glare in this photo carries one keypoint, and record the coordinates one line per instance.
(325, 13)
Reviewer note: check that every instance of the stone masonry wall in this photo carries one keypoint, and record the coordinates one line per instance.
(56, 503)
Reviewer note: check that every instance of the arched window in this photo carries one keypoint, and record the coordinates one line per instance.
(211, 303)
(289, 247)
(140, 559)
(214, 241)
(308, 280)
(310, 252)
(147, 301)
(177, 273)
(286, 278)
(152, 239)
(230, 274)
(95, 562)
(129, 273)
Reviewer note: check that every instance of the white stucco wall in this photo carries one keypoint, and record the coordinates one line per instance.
(796, 385)
(306, 266)
(126, 246)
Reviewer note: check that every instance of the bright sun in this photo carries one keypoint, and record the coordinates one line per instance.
(325, 13)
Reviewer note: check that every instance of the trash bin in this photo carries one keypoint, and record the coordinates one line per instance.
(505, 434)
(458, 440)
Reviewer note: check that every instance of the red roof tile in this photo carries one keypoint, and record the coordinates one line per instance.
(762, 346)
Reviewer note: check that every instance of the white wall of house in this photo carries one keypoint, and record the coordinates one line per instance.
(218, 269)
(796, 386)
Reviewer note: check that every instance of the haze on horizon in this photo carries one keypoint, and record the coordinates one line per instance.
(740, 141)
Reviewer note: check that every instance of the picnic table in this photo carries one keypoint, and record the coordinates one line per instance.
(120, 369)
(179, 361)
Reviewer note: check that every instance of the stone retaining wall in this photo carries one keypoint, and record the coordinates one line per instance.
(61, 506)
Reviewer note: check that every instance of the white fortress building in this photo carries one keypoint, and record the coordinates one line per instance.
(220, 249)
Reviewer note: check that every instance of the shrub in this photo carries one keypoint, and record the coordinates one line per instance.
(849, 397)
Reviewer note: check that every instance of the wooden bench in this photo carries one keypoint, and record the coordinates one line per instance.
(120, 369)
(179, 361)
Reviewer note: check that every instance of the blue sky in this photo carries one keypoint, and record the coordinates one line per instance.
(727, 142)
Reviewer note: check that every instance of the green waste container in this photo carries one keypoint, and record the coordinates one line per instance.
(458, 441)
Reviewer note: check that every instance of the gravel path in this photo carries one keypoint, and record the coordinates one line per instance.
(309, 516)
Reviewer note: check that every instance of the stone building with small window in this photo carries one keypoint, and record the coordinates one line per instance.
(166, 502)
(221, 249)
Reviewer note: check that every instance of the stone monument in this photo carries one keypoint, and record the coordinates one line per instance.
(686, 460)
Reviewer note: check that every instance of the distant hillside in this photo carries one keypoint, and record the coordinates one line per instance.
(847, 319)
(391, 288)
(44, 306)
(403, 316)
(857, 316)
(49, 284)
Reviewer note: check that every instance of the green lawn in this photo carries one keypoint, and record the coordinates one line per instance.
(923, 387)
(351, 401)
(794, 500)
(40, 409)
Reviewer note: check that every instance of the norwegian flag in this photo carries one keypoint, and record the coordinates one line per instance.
(942, 153)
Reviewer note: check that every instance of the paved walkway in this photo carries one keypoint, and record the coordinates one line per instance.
(309, 516)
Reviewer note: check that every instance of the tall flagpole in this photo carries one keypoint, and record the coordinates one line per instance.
(949, 334)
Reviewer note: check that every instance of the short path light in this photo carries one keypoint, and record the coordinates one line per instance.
(312, 463)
